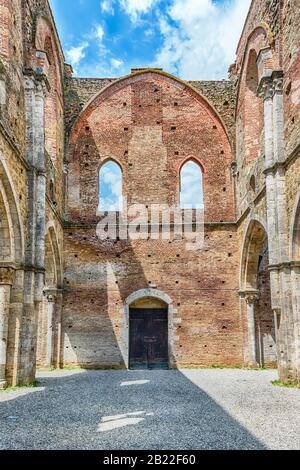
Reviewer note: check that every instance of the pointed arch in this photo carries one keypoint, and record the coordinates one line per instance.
(256, 289)
(191, 184)
(253, 110)
(253, 244)
(11, 210)
(53, 255)
(295, 231)
(110, 186)
(260, 40)
(117, 85)
(52, 101)
(44, 27)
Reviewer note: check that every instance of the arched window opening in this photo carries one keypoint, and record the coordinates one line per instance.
(257, 290)
(296, 235)
(191, 186)
(110, 188)
(253, 111)
(253, 184)
(52, 191)
(51, 104)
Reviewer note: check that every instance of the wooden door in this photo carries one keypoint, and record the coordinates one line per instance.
(148, 339)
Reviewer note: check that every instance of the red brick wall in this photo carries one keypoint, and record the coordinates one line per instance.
(291, 67)
(131, 122)
(150, 133)
(264, 316)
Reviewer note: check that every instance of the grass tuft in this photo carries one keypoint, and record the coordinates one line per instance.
(20, 387)
(278, 383)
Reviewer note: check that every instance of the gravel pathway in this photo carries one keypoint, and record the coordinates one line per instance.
(155, 410)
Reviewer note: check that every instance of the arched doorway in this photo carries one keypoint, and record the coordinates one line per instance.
(295, 281)
(150, 321)
(148, 334)
(49, 321)
(265, 333)
(11, 277)
(256, 290)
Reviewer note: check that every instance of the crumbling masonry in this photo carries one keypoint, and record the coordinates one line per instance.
(66, 297)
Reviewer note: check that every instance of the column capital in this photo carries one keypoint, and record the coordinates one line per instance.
(50, 294)
(7, 275)
(271, 84)
(41, 88)
(251, 296)
(233, 168)
(36, 82)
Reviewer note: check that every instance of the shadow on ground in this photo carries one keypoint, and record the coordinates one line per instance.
(119, 410)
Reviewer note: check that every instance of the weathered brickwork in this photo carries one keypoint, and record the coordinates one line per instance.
(147, 123)
(65, 295)
(271, 34)
(27, 84)
(203, 287)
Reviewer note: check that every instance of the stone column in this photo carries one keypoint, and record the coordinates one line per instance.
(40, 166)
(35, 91)
(280, 270)
(267, 92)
(6, 281)
(251, 297)
(295, 280)
(50, 325)
(57, 330)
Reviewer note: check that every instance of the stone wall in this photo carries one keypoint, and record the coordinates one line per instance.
(57, 130)
(203, 287)
(151, 124)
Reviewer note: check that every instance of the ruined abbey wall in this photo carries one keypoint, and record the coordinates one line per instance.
(151, 125)
(65, 295)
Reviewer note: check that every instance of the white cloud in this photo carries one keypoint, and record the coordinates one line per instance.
(191, 195)
(116, 63)
(149, 33)
(75, 54)
(200, 37)
(99, 32)
(110, 187)
(107, 7)
(136, 8)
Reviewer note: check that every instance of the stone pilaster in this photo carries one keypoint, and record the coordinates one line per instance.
(57, 330)
(6, 281)
(295, 287)
(51, 299)
(251, 297)
(35, 91)
(40, 166)
(280, 273)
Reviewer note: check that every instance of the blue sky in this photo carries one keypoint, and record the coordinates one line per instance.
(191, 194)
(110, 188)
(110, 197)
(193, 39)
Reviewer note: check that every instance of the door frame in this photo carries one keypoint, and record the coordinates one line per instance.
(174, 320)
(129, 331)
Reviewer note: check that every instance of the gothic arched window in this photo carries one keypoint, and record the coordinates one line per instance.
(110, 187)
(191, 186)
(253, 119)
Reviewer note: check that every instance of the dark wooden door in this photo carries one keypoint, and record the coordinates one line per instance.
(148, 339)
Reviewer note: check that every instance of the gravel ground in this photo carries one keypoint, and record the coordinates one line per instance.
(152, 410)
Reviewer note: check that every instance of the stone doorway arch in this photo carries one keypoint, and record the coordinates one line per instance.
(256, 291)
(11, 276)
(295, 280)
(50, 312)
(151, 299)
